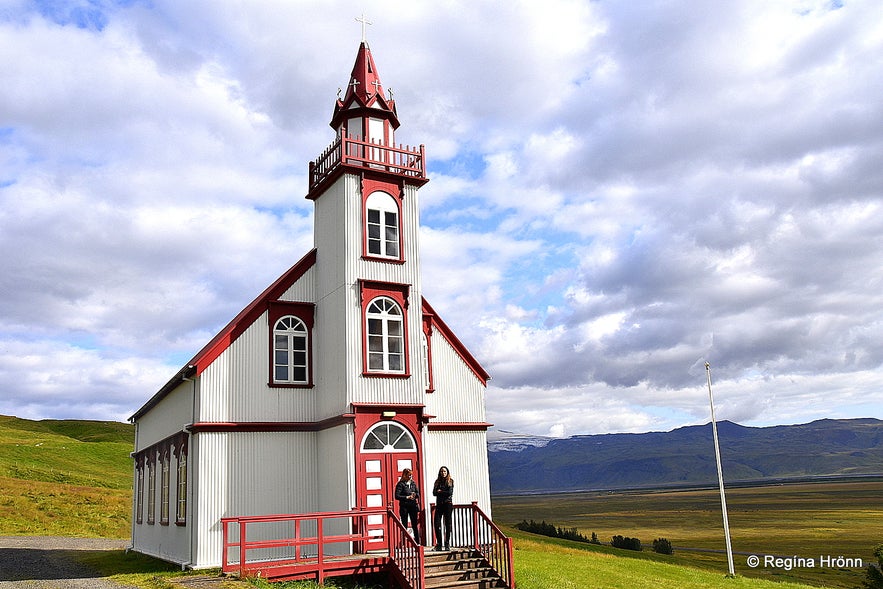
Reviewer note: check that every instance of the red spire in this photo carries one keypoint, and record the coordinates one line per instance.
(365, 90)
(364, 81)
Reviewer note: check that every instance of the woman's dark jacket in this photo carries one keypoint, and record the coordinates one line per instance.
(405, 488)
(443, 491)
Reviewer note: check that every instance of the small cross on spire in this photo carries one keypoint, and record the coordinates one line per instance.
(362, 19)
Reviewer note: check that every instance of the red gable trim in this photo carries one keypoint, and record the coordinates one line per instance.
(233, 330)
(249, 315)
(458, 346)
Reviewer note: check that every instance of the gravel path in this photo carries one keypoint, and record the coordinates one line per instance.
(44, 562)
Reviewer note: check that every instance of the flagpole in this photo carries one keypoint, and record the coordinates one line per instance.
(720, 474)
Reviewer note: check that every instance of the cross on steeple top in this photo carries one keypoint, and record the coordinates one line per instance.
(362, 19)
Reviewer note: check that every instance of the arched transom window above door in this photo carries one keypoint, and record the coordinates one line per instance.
(388, 437)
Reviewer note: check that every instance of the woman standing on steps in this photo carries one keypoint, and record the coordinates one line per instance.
(408, 497)
(443, 489)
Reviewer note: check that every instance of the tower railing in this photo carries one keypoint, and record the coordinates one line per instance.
(353, 152)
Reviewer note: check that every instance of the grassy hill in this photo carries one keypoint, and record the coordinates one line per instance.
(66, 478)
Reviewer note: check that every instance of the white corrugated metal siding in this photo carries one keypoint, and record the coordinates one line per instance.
(234, 387)
(167, 418)
(249, 474)
(459, 395)
(465, 455)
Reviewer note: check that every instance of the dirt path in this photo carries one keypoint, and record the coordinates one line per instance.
(44, 562)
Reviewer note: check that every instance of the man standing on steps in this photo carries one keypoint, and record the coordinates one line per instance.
(408, 496)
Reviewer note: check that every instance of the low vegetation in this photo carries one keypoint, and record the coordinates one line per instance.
(805, 520)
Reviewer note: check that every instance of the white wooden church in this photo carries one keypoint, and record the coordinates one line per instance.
(340, 374)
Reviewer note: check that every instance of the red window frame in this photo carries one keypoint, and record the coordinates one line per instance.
(369, 187)
(399, 293)
(303, 311)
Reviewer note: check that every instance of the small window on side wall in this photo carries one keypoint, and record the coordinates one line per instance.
(290, 351)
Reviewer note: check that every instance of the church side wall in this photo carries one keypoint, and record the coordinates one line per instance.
(168, 541)
(459, 396)
(247, 473)
(465, 455)
(167, 418)
(234, 387)
(336, 480)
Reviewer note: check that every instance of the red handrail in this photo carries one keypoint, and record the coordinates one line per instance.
(472, 528)
(406, 555)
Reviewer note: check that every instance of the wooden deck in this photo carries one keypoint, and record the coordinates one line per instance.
(316, 546)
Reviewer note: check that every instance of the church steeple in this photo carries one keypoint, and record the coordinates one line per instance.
(365, 97)
(365, 121)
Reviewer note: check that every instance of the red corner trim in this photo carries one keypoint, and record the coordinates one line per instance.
(458, 346)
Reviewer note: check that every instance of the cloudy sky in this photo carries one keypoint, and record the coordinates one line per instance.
(620, 192)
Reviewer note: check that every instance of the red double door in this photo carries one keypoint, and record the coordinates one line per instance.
(384, 448)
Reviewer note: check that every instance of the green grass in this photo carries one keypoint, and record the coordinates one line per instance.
(540, 563)
(57, 453)
(807, 520)
(53, 482)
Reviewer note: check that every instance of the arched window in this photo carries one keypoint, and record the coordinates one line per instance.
(290, 351)
(382, 225)
(388, 437)
(386, 336)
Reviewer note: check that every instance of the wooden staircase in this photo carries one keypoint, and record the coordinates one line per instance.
(459, 569)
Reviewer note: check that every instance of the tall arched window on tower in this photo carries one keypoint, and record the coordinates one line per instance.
(290, 351)
(386, 336)
(382, 226)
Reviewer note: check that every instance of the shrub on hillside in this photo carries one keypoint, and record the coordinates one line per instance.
(550, 530)
(662, 546)
(626, 543)
(874, 578)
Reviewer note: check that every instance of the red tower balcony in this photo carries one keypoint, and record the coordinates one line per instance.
(356, 155)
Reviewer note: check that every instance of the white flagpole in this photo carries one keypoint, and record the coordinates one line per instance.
(720, 474)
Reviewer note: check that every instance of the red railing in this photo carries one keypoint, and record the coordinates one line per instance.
(295, 545)
(402, 160)
(405, 554)
(320, 545)
(326, 544)
(472, 528)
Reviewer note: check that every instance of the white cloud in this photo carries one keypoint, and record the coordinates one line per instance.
(618, 193)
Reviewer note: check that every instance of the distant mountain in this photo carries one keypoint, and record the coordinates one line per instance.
(501, 440)
(828, 447)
